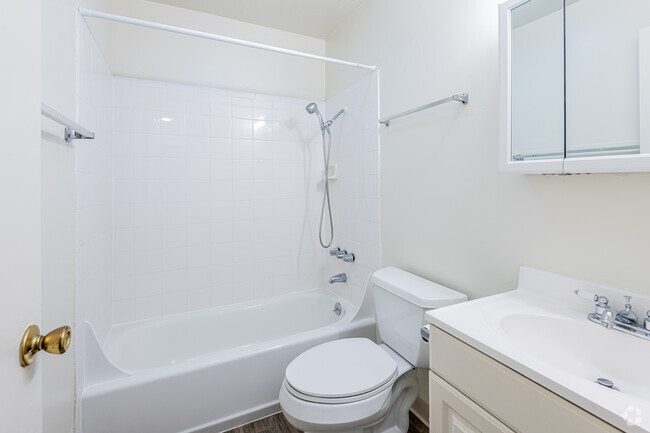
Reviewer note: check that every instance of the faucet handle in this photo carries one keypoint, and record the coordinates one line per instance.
(349, 257)
(334, 251)
(584, 294)
(341, 254)
(626, 315)
(602, 303)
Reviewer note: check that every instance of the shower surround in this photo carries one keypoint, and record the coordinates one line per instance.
(217, 195)
(194, 198)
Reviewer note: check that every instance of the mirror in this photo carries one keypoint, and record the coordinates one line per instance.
(605, 44)
(537, 80)
(575, 86)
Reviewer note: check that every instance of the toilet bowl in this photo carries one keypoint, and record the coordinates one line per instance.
(357, 386)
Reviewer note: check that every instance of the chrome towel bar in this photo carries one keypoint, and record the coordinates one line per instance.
(73, 131)
(464, 98)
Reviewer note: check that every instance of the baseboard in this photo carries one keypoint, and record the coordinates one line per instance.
(421, 410)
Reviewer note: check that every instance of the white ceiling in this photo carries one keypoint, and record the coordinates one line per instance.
(316, 18)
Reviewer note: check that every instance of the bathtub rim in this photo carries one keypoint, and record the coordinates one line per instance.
(112, 374)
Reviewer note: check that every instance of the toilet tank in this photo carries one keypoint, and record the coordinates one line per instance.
(401, 299)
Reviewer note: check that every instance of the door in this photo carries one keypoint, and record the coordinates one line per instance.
(20, 211)
(453, 412)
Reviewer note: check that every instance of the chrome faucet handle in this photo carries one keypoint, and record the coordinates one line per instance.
(646, 322)
(626, 315)
(334, 251)
(602, 303)
(349, 257)
(341, 254)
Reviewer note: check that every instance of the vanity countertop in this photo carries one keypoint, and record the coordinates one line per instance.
(541, 330)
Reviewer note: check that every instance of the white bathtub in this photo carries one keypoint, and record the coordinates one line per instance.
(209, 370)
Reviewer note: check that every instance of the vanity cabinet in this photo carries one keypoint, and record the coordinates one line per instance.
(469, 392)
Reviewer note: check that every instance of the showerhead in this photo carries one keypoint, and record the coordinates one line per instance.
(324, 126)
(313, 108)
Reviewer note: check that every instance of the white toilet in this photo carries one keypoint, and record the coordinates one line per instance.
(355, 385)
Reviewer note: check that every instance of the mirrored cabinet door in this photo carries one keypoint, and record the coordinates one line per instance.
(537, 80)
(607, 77)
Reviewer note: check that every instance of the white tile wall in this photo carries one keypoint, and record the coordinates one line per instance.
(355, 194)
(216, 198)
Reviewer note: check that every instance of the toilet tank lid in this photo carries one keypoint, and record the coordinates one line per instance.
(417, 290)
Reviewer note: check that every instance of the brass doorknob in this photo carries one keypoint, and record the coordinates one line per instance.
(56, 342)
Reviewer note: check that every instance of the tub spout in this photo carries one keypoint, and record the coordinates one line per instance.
(339, 278)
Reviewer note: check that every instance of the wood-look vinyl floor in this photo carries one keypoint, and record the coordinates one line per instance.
(278, 424)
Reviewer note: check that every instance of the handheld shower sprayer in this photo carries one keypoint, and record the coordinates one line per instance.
(313, 108)
(325, 126)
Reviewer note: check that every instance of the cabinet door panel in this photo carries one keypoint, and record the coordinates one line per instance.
(453, 412)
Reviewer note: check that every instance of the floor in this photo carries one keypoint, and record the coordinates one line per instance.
(278, 424)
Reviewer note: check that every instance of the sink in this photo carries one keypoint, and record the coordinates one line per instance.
(584, 349)
(541, 331)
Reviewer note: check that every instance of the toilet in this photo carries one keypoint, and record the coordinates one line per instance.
(354, 385)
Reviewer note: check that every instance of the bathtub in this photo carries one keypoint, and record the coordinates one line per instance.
(209, 370)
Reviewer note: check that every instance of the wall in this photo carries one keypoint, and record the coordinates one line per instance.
(137, 52)
(355, 192)
(447, 213)
(216, 198)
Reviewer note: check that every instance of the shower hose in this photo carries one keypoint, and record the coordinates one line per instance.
(326, 192)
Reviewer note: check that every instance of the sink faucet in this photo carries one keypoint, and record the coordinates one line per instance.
(339, 278)
(624, 320)
(608, 318)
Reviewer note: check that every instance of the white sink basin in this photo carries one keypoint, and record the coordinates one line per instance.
(584, 349)
(541, 330)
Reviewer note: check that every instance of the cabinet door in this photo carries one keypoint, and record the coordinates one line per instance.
(452, 412)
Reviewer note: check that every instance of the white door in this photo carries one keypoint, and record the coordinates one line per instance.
(20, 211)
(450, 411)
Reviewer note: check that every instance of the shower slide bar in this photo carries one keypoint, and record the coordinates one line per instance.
(183, 31)
(464, 98)
(73, 131)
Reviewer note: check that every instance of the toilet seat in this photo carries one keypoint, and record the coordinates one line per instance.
(339, 400)
(341, 371)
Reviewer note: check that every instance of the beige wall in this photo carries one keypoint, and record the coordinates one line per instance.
(156, 55)
(447, 213)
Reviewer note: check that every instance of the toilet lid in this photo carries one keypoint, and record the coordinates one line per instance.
(341, 368)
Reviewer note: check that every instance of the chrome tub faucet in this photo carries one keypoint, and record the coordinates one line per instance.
(339, 278)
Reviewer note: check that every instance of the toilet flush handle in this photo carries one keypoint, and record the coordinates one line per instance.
(424, 333)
